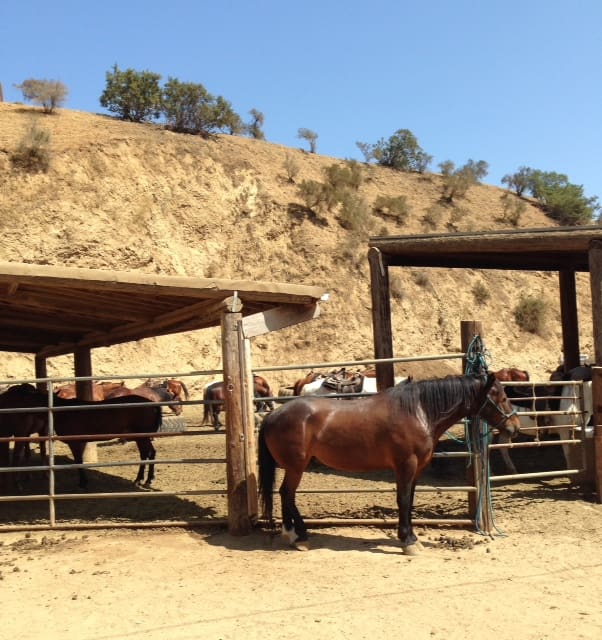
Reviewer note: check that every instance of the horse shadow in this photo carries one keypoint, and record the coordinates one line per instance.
(118, 509)
(268, 539)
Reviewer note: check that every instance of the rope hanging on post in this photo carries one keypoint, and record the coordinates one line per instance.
(476, 364)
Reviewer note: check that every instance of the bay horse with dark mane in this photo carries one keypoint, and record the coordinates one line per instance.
(101, 420)
(214, 398)
(395, 429)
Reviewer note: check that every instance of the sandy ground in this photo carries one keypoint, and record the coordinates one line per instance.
(541, 578)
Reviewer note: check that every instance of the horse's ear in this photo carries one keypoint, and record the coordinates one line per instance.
(490, 380)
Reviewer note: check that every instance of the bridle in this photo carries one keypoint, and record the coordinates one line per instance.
(504, 416)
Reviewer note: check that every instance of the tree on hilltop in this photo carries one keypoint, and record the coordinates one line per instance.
(49, 94)
(132, 95)
(401, 151)
(310, 136)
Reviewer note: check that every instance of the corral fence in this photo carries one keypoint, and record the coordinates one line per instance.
(56, 495)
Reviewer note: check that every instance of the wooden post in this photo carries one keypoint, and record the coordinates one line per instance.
(238, 510)
(41, 372)
(251, 473)
(595, 276)
(595, 474)
(381, 318)
(568, 315)
(82, 364)
(478, 471)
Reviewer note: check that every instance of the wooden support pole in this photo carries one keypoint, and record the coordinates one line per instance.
(478, 470)
(381, 318)
(41, 369)
(248, 386)
(239, 522)
(595, 474)
(568, 315)
(595, 279)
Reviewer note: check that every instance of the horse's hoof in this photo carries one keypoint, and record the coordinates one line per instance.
(301, 545)
(412, 549)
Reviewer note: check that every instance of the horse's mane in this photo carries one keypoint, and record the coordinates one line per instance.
(438, 397)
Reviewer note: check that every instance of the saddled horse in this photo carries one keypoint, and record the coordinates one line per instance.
(395, 429)
(568, 402)
(168, 391)
(308, 378)
(337, 382)
(527, 400)
(96, 421)
(214, 398)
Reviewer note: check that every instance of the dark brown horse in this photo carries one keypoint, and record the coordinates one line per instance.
(19, 425)
(395, 429)
(101, 420)
(214, 398)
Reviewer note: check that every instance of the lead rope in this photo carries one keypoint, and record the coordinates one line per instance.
(476, 364)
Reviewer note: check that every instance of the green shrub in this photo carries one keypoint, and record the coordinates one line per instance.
(393, 206)
(530, 313)
(291, 167)
(481, 293)
(33, 153)
(514, 207)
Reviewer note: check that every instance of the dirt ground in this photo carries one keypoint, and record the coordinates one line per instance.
(539, 578)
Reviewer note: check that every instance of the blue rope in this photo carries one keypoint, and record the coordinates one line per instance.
(476, 364)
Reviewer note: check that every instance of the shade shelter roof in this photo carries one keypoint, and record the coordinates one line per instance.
(51, 311)
(547, 249)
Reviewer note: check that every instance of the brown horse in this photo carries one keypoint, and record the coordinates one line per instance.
(395, 429)
(306, 379)
(168, 391)
(99, 390)
(214, 399)
(95, 420)
(511, 374)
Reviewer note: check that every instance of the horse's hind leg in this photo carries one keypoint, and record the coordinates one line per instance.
(151, 467)
(293, 526)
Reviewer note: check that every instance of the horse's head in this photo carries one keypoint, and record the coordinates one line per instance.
(496, 408)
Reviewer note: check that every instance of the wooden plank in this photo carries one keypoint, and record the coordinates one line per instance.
(595, 474)
(278, 318)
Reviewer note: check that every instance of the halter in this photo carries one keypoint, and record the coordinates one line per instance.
(505, 416)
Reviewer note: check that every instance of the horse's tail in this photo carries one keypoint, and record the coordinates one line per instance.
(207, 407)
(267, 477)
(186, 394)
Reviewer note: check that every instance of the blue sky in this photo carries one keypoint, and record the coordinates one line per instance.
(512, 82)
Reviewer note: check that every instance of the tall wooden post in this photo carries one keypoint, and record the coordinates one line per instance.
(381, 318)
(568, 314)
(595, 275)
(478, 471)
(251, 473)
(239, 522)
(41, 372)
(595, 475)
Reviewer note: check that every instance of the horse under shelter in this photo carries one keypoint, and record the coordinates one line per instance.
(49, 311)
(566, 250)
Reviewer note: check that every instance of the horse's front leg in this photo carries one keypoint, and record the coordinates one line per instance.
(77, 450)
(406, 484)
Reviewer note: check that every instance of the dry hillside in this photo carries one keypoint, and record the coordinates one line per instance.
(137, 198)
